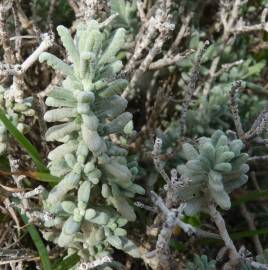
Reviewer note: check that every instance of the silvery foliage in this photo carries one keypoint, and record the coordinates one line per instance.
(91, 202)
(127, 14)
(213, 110)
(201, 263)
(3, 135)
(16, 109)
(215, 168)
(264, 257)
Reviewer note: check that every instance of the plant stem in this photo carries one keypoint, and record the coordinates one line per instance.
(220, 223)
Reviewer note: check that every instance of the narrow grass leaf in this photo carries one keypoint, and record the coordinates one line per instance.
(67, 263)
(44, 177)
(250, 196)
(42, 251)
(40, 176)
(24, 142)
(251, 233)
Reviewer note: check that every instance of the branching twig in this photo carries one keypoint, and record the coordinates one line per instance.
(219, 221)
(108, 20)
(259, 125)
(52, 6)
(173, 217)
(258, 158)
(192, 86)
(9, 56)
(258, 265)
(156, 158)
(21, 69)
(234, 109)
(249, 218)
(168, 61)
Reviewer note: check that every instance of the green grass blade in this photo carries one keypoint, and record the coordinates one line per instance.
(67, 263)
(251, 233)
(250, 196)
(235, 236)
(24, 142)
(39, 176)
(177, 245)
(4, 163)
(42, 251)
(45, 177)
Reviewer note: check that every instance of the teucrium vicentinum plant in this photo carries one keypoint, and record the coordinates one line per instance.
(91, 202)
(17, 109)
(214, 169)
(127, 14)
(201, 263)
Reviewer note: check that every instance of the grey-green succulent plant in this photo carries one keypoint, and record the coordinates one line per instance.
(213, 169)
(264, 257)
(91, 202)
(3, 135)
(127, 14)
(201, 263)
(16, 109)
